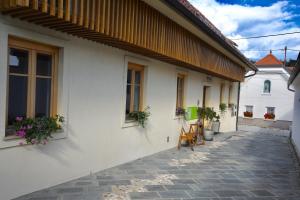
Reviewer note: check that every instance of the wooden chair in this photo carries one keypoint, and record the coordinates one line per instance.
(190, 136)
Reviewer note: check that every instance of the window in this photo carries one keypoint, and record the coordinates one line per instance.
(134, 88)
(31, 80)
(271, 110)
(222, 86)
(180, 92)
(267, 86)
(249, 109)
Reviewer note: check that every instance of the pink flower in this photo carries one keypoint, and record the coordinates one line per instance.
(19, 119)
(21, 143)
(29, 126)
(21, 133)
(33, 141)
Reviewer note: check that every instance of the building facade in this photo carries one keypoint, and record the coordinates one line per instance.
(265, 95)
(294, 83)
(94, 62)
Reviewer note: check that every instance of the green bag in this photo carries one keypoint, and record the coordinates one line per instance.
(191, 113)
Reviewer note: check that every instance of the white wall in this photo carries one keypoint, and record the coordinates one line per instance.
(280, 97)
(296, 121)
(91, 93)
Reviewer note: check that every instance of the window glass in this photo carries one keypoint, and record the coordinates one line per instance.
(17, 100)
(44, 65)
(18, 61)
(43, 97)
(128, 99)
(271, 110)
(249, 109)
(267, 86)
(136, 104)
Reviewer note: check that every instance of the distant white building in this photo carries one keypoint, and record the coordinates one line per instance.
(265, 95)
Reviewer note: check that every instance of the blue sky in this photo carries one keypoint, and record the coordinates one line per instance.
(244, 18)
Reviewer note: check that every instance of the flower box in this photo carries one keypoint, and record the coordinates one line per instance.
(248, 114)
(269, 116)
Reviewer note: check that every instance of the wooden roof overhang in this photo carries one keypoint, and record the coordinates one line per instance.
(131, 25)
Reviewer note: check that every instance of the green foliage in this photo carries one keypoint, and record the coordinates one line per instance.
(141, 116)
(206, 113)
(222, 108)
(37, 130)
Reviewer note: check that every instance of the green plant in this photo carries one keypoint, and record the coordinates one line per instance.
(37, 130)
(141, 116)
(222, 108)
(207, 114)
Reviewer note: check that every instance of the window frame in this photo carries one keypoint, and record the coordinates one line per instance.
(33, 48)
(135, 67)
(180, 76)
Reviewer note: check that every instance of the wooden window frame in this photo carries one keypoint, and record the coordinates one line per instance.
(33, 49)
(140, 68)
(183, 77)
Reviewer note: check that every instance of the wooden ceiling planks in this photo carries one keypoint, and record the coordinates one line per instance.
(127, 24)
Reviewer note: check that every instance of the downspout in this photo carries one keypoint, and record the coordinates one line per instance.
(288, 87)
(238, 107)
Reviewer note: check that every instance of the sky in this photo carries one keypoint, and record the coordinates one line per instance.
(246, 18)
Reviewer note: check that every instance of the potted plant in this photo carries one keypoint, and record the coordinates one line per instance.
(207, 115)
(37, 130)
(269, 116)
(222, 108)
(141, 117)
(248, 114)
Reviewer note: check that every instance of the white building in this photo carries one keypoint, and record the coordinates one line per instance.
(294, 82)
(266, 91)
(93, 72)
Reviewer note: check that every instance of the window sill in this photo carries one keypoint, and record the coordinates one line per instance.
(128, 124)
(266, 94)
(13, 141)
(272, 120)
(248, 117)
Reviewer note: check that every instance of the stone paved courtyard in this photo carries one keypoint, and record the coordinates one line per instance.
(236, 166)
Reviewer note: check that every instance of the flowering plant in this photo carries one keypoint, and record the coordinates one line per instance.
(248, 114)
(141, 116)
(180, 111)
(37, 130)
(269, 116)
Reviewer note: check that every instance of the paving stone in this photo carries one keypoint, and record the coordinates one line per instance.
(174, 194)
(178, 187)
(143, 195)
(155, 188)
(230, 193)
(262, 193)
(70, 190)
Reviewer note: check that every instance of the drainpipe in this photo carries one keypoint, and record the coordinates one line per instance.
(288, 87)
(238, 107)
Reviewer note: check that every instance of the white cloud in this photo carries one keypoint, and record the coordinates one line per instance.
(236, 21)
